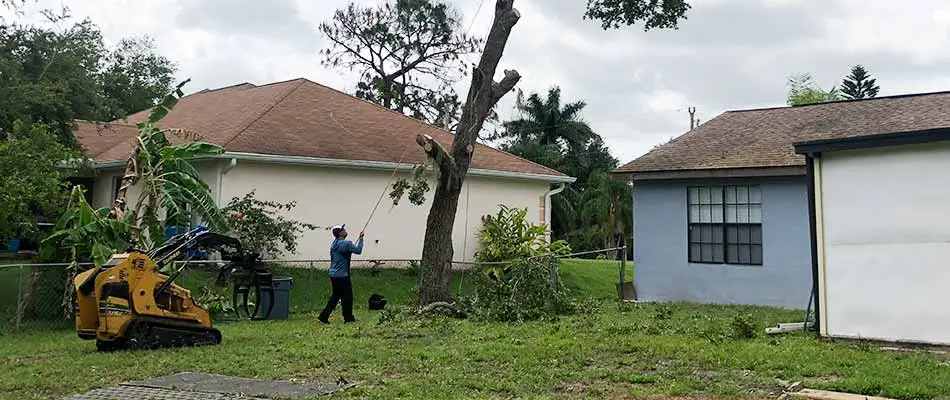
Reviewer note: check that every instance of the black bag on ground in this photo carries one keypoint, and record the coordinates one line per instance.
(377, 302)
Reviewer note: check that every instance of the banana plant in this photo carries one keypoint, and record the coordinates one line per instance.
(84, 233)
(169, 182)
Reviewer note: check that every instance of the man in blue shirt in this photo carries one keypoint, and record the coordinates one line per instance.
(342, 289)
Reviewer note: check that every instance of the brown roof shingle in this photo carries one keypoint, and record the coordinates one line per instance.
(765, 137)
(306, 119)
(99, 137)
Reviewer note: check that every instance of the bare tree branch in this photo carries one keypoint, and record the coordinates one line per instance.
(435, 151)
(483, 94)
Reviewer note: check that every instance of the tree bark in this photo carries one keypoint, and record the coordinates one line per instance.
(129, 178)
(483, 94)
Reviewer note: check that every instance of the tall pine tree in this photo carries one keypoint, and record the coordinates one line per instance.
(859, 85)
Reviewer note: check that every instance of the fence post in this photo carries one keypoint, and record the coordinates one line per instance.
(19, 298)
(555, 262)
(310, 290)
(623, 264)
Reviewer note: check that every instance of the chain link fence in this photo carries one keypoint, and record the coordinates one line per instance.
(37, 296)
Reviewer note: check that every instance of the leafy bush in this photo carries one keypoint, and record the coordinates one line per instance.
(743, 327)
(83, 233)
(261, 227)
(216, 303)
(508, 235)
(521, 287)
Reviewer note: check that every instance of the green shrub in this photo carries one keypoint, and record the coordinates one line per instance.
(261, 227)
(518, 284)
(743, 327)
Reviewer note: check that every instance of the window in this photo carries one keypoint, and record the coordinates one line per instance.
(725, 224)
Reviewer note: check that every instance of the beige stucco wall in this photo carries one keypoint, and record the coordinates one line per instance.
(330, 196)
(105, 184)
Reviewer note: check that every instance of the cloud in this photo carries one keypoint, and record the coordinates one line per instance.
(728, 54)
(272, 19)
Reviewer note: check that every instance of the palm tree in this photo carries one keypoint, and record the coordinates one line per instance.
(545, 122)
(607, 209)
(556, 136)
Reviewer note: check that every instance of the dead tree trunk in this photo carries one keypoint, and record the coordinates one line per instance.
(129, 178)
(483, 94)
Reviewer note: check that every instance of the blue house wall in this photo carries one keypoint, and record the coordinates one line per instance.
(663, 272)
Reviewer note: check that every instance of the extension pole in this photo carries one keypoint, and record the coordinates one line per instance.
(396, 168)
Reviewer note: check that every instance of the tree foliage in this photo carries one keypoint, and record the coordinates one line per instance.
(606, 212)
(134, 77)
(33, 182)
(407, 52)
(55, 77)
(555, 135)
(261, 227)
(803, 90)
(86, 234)
(509, 235)
(859, 84)
(518, 286)
(654, 14)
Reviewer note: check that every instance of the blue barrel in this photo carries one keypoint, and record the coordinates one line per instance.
(13, 245)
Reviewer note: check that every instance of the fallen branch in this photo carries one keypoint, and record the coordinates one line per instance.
(442, 308)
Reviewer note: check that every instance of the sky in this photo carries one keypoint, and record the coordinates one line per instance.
(728, 54)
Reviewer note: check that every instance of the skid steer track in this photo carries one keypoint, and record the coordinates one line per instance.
(154, 333)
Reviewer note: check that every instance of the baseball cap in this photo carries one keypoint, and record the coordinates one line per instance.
(336, 229)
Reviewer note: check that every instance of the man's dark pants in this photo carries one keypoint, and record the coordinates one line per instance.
(342, 289)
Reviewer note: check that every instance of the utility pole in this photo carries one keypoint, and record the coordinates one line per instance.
(692, 118)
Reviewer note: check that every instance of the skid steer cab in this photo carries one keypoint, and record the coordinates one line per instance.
(127, 303)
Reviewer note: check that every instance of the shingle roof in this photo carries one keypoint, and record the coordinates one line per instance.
(764, 137)
(298, 118)
(99, 137)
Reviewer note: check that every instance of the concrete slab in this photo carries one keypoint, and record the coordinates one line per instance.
(196, 386)
(214, 383)
(145, 393)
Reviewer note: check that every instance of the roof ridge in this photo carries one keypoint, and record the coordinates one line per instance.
(428, 125)
(279, 99)
(253, 86)
(891, 97)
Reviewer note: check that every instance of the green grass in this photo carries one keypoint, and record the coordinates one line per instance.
(671, 350)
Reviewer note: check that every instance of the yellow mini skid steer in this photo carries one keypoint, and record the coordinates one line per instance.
(129, 303)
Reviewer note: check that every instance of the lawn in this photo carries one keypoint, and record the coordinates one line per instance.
(676, 350)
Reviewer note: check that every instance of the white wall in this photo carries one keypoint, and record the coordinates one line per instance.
(105, 185)
(884, 232)
(331, 196)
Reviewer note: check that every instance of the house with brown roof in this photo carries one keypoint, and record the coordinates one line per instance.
(721, 213)
(332, 154)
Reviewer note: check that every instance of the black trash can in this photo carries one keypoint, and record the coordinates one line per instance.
(282, 287)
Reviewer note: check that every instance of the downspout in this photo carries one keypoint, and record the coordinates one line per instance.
(813, 228)
(547, 206)
(231, 164)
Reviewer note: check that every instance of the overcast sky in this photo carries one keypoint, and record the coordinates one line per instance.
(729, 54)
